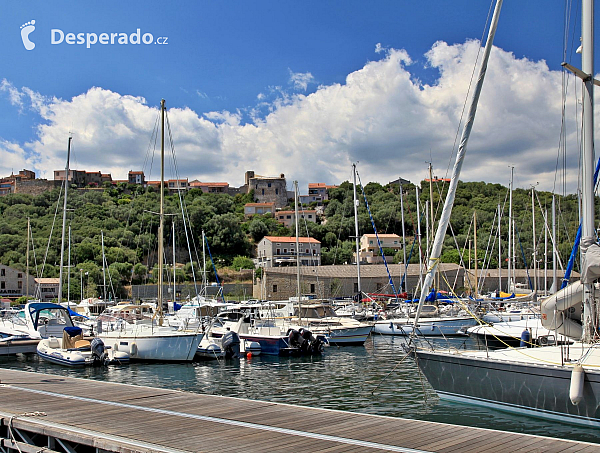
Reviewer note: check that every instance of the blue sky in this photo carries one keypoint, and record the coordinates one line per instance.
(245, 79)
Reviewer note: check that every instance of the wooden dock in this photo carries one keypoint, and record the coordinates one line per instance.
(41, 412)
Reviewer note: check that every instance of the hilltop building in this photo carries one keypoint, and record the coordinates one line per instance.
(267, 189)
(251, 209)
(275, 251)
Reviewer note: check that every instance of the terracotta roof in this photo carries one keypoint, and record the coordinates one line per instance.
(291, 239)
(382, 235)
(367, 271)
(48, 280)
(314, 185)
(257, 205)
(214, 184)
(136, 172)
(293, 212)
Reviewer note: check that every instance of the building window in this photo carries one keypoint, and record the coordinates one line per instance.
(289, 216)
(20, 285)
(2, 285)
(274, 288)
(263, 191)
(269, 184)
(312, 287)
(2, 272)
(278, 251)
(284, 250)
(307, 251)
(314, 251)
(19, 275)
(310, 216)
(276, 191)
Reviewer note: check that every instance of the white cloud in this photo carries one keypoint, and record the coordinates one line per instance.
(382, 116)
(300, 80)
(14, 95)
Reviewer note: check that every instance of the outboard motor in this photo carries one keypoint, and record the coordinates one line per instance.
(296, 339)
(99, 353)
(231, 344)
(311, 345)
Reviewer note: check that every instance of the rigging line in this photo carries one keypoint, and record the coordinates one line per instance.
(377, 236)
(52, 228)
(184, 210)
(524, 258)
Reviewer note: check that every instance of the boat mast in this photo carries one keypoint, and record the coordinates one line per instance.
(356, 229)
(403, 235)
(103, 266)
(204, 279)
(64, 222)
(27, 259)
(475, 241)
(174, 274)
(69, 271)
(535, 276)
(419, 240)
(554, 280)
(297, 243)
(161, 215)
(510, 244)
(499, 253)
(436, 249)
(587, 176)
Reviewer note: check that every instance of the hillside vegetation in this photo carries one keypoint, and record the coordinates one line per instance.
(127, 217)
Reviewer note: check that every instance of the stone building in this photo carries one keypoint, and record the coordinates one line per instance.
(369, 248)
(279, 283)
(13, 283)
(267, 189)
(48, 288)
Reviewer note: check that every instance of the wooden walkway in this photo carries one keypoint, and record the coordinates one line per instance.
(127, 418)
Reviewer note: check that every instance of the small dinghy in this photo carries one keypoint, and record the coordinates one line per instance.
(73, 350)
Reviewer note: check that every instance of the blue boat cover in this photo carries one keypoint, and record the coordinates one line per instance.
(73, 331)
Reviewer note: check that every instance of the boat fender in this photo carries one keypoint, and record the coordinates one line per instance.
(577, 380)
(525, 338)
(116, 347)
(133, 349)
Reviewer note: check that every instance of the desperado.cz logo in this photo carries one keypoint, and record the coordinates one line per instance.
(57, 36)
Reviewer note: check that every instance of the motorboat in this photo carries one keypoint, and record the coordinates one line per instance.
(73, 350)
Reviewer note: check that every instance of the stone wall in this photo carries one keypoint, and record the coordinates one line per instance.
(36, 186)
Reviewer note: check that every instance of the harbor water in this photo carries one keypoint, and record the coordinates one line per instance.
(370, 379)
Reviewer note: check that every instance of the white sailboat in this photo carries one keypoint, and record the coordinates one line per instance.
(148, 341)
(556, 382)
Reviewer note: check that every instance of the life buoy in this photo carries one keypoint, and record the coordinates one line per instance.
(133, 349)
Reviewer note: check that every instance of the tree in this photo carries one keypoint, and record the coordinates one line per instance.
(242, 262)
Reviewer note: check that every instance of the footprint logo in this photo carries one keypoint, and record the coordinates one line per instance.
(26, 30)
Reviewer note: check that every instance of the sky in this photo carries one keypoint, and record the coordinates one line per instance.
(304, 88)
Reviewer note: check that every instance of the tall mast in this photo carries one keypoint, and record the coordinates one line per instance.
(587, 161)
(499, 253)
(356, 229)
(444, 221)
(103, 267)
(161, 215)
(69, 271)
(475, 241)
(419, 240)
(64, 222)
(535, 277)
(174, 274)
(403, 234)
(546, 254)
(297, 242)
(510, 240)
(554, 280)
(204, 279)
(431, 201)
(27, 258)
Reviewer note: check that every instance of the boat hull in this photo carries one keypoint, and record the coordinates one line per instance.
(534, 389)
(428, 328)
(161, 347)
(352, 336)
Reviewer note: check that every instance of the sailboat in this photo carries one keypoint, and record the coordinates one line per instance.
(555, 382)
(148, 341)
